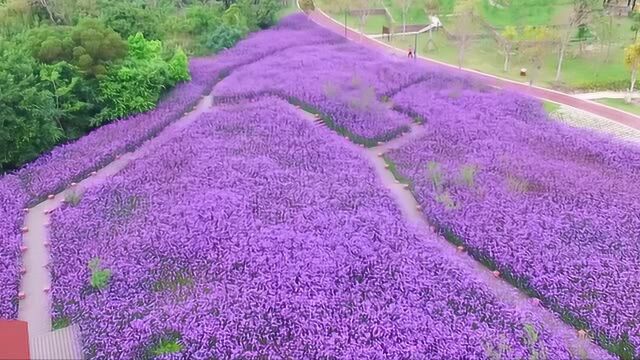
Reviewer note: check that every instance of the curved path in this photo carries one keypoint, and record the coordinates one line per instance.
(502, 290)
(35, 305)
(631, 120)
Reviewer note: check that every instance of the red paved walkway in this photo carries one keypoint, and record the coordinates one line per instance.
(14, 340)
(592, 107)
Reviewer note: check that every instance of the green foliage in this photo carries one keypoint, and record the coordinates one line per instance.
(499, 351)
(65, 67)
(99, 276)
(73, 198)
(136, 84)
(536, 351)
(167, 347)
(266, 11)
(632, 56)
(550, 107)
(128, 18)
(635, 25)
(434, 172)
(223, 37)
(202, 19)
(307, 5)
(234, 17)
(173, 282)
(60, 323)
(168, 344)
(468, 175)
(517, 184)
(510, 33)
(90, 45)
(445, 199)
(27, 109)
(179, 67)
(72, 94)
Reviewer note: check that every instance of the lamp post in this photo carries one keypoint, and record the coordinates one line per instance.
(415, 46)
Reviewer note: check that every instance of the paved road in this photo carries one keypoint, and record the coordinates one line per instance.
(622, 117)
(606, 94)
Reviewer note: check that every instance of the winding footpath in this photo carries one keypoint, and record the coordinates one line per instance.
(580, 346)
(35, 305)
(35, 309)
(622, 117)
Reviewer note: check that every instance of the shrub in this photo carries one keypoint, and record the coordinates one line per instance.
(99, 277)
(223, 37)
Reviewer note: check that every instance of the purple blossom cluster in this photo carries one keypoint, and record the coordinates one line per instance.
(12, 199)
(556, 208)
(70, 162)
(344, 82)
(255, 234)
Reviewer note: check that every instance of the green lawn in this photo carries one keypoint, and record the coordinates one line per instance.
(589, 71)
(550, 107)
(621, 104)
(373, 24)
(291, 8)
(584, 70)
(529, 12)
(415, 14)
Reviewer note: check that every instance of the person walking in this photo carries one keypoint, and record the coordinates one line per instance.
(410, 53)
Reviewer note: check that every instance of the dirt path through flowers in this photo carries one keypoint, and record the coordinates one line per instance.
(35, 304)
(580, 347)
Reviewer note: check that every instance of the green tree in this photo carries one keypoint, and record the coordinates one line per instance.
(223, 37)
(509, 37)
(129, 18)
(202, 19)
(606, 32)
(179, 67)
(99, 276)
(236, 18)
(404, 6)
(632, 60)
(536, 44)
(431, 8)
(307, 6)
(265, 13)
(90, 45)
(465, 15)
(336, 6)
(583, 11)
(136, 84)
(72, 96)
(635, 25)
(27, 111)
(16, 16)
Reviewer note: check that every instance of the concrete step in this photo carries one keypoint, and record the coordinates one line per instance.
(61, 344)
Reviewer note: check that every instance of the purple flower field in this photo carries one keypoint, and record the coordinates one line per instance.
(70, 162)
(65, 163)
(557, 208)
(342, 81)
(12, 200)
(254, 234)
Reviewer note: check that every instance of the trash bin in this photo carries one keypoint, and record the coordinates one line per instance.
(523, 72)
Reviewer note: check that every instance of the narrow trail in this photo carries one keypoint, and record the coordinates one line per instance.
(35, 305)
(501, 289)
